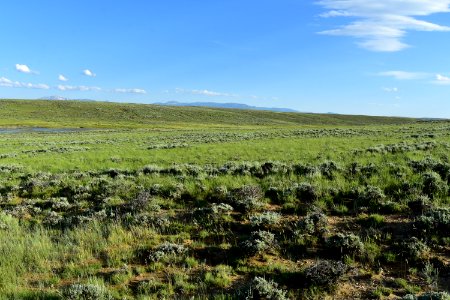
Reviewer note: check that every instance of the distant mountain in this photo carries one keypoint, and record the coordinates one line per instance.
(225, 105)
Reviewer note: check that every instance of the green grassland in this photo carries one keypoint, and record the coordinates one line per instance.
(114, 115)
(154, 202)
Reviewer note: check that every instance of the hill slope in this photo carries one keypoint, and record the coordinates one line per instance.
(106, 114)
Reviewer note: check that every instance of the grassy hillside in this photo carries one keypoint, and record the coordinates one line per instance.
(202, 203)
(104, 114)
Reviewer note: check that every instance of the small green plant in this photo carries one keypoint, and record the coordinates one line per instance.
(430, 274)
(219, 277)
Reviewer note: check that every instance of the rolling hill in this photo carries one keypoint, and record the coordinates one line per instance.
(54, 113)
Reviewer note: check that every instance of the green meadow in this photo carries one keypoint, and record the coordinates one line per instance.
(129, 201)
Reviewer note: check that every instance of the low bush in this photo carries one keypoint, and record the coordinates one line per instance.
(306, 192)
(370, 197)
(247, 198)
(314, 223)
(80, 291)
(265, 220)
(325, 273)
(435, 220)
(345, 244)
(413, 249)
(434, 186)
(260, 288)
(328, 169)
(166, 251)
(260, 242)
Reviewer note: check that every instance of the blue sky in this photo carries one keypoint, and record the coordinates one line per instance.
(384, 57)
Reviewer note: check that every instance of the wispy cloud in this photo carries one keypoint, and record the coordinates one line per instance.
(205, 93)
(381, 25)
(23, 69)
(442, 80)
(80, 88)
(130, 91)
(391, 89)
(89, 73)
(5, 82)
(62, 78)
(404, 75)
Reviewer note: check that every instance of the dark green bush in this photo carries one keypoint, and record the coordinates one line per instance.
(247, 198)
(345, 244)
(260, 288)
(306, 192)
(325, 273)
(371, 197)
(434, 186)
(315, 223)
(413, 249)
(433, 221)
(328, 169)
(260, 242)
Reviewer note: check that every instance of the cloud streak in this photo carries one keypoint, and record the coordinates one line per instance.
(404, 75)
(80, 88)
(381, 25)
(62, 78)
(391, 90)
(130, 91)
(207, 93)
(5, 82)
(442, 80)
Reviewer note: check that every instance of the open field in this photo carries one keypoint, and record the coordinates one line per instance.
(152, 202)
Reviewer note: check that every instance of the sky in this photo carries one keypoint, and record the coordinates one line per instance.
(375, 57)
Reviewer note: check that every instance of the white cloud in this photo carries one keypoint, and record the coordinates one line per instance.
(5, 82)
(62, 78)
(80, 88)
(23, 69)
(380, 25)
(442, 80)
(205, 93)
(391, 90)
(403, 75)
(89, 73)
(131, 91)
